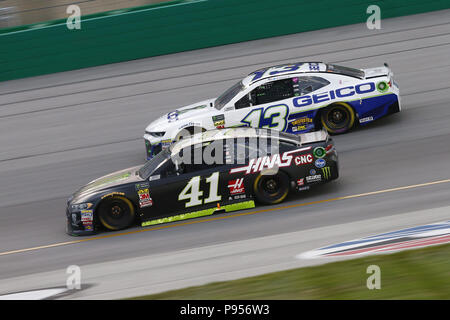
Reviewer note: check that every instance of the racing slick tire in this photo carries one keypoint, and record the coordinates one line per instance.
(338, 118)
(116, 213)
(271, 189)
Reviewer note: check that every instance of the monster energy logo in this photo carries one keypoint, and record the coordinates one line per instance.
(326, 172)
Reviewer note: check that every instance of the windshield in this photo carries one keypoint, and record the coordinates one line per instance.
(228, 95)
(151, 165)
(345, 71)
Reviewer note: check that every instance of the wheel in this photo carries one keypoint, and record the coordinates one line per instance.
(338, 118)
(271, 189)
(116, 213)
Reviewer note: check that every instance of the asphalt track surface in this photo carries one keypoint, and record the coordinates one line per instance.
(58, 132)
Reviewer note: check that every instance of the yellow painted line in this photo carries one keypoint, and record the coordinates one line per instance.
(226, 217)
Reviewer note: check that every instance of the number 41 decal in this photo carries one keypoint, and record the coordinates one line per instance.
(193, 193)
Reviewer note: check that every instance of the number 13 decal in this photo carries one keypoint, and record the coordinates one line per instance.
(193, 193)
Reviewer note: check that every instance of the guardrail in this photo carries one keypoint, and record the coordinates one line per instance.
(177, 26)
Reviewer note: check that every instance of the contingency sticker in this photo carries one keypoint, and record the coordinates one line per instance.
(144, 198)
(219, 121)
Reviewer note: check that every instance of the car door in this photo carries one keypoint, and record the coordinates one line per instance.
(310, 92)
(189, 182)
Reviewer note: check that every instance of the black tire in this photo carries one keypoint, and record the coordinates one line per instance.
(338, 118)
(271, 189)
(116, 213)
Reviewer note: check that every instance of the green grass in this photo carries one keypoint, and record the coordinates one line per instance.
(413, 274)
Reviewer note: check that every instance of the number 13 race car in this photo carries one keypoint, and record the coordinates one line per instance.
(211, 172)
(294, 98)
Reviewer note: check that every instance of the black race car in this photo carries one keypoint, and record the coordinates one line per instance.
(210, 172)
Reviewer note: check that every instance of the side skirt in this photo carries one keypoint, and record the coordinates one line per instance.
(201, 213)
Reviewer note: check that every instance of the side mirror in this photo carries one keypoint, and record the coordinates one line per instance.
(179, 168)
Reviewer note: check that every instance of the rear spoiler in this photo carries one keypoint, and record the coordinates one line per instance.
(377, 72)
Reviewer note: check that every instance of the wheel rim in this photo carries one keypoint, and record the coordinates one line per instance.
(337, 117)
(117, 211)
(116, 214)
(271, 186)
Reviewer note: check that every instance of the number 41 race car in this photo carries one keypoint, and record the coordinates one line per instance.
(294, 98)
(211, 172)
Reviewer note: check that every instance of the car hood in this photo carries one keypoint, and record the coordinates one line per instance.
(181, 115)
(129, 175)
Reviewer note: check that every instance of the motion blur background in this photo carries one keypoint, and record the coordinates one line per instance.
(17, 12)
(74, 105)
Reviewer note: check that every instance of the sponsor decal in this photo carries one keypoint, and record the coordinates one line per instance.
(319, 152)
(382, 86)
(236, 186)
(300, 182)
(298, 128)
(87, 216)
(314, 66)
(367, 119)
(326, 173)
(268, 162)
(166, 143)
(343, 92)
(312, 172)
(219, 121)
(303, 188)
(301, 121)
(320, 163)
(303, 159)
(190, 124)
(410, 238)
(113, 194)
(172, 116)
(144, 198)
(314, 178)
(237, 197)
(142, 185)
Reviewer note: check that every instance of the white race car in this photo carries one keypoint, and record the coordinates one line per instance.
(293, 98)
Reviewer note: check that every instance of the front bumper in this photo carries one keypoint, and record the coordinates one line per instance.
(76, 226)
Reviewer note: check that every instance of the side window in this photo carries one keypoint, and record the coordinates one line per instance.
(241, 150)
(305, 85)
(273, 91)
(244, 102)
(167, 169)
(200, 157)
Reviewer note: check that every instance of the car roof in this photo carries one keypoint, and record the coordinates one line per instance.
(230, 133)
(305, 67)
